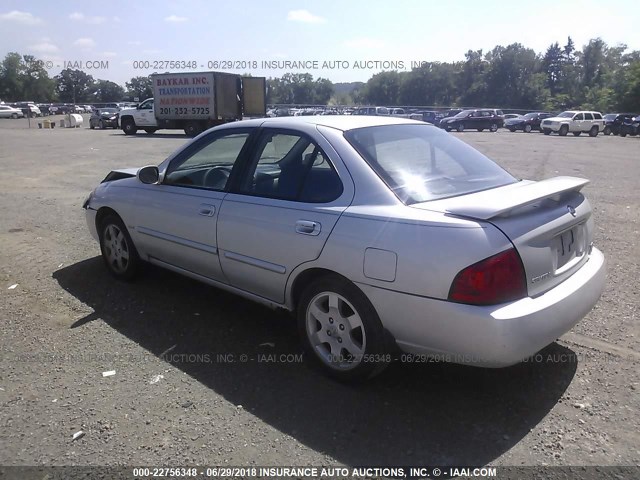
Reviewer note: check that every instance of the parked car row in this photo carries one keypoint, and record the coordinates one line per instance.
(7, 111)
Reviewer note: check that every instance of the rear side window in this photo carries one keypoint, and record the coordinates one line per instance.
(290, 166)
(420, 163)
(597, 116)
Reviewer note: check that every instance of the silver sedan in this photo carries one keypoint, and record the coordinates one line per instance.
(385, 237)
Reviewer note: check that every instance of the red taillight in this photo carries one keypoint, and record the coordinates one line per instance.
(496, 279)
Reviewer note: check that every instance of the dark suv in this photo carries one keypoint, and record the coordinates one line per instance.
(526, 123)
(613, 122)
(479, 119)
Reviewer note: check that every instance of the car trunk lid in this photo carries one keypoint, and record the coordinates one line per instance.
(549, 223)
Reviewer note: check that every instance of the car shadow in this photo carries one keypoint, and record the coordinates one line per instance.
(429, 414)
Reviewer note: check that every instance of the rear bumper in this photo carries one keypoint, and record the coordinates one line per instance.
(494, 336)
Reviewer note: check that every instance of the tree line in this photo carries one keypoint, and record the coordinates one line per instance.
(598, 76)
(23, 77)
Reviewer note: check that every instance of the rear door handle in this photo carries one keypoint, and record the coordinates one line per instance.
(207, 210)
(307, 227)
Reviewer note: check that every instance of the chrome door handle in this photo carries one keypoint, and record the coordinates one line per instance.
(207, 210)
(307, 227)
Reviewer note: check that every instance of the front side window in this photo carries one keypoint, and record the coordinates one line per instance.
(588, 116)
(290, 166)
(579, 116)
(420, 163)
(210, 165)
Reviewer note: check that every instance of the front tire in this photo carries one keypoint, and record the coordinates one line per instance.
(527, 128)
(460, 127)
(564, 129)
(493, 127)
(118, 251)
(14, 116)
(340, 330)
(129, 127)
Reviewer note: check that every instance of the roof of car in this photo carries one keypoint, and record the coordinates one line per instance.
(340, 122)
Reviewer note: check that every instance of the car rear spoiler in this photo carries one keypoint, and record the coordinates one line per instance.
(500, 201)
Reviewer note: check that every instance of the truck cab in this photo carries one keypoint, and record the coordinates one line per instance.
(140, 117)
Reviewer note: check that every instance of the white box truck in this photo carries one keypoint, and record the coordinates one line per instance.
(196, 101)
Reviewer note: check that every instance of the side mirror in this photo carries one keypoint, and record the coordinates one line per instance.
(149, 174)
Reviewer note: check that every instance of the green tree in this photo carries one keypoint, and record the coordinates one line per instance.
(552, 65)
(383, 88)
(74, 86)
(107, 91)
(472, 87)
(37, 85)
(11, 77)
(139, 87)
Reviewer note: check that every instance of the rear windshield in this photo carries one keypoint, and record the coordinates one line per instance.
(420, 163)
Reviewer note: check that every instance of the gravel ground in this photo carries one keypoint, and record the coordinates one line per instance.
(174, 400)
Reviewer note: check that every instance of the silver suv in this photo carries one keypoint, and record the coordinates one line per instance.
(575, 122)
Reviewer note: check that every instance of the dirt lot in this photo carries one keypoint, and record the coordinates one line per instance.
(174, 401)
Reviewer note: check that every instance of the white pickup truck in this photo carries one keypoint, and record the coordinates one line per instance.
(195, 101)
(575, 122)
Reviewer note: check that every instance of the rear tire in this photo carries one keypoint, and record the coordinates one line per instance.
(14, 116)
(118, 251)
(192, 129)
(460, 127)
(607, 130)
(594, 131)
(493, 127)
(564, 129)
(341, 331)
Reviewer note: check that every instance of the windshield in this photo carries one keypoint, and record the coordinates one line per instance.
(108, 110)
(529, 116)
(567, 114)
(420, 163)
(464, 113)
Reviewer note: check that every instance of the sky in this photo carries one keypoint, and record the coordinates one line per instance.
(114, 40)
